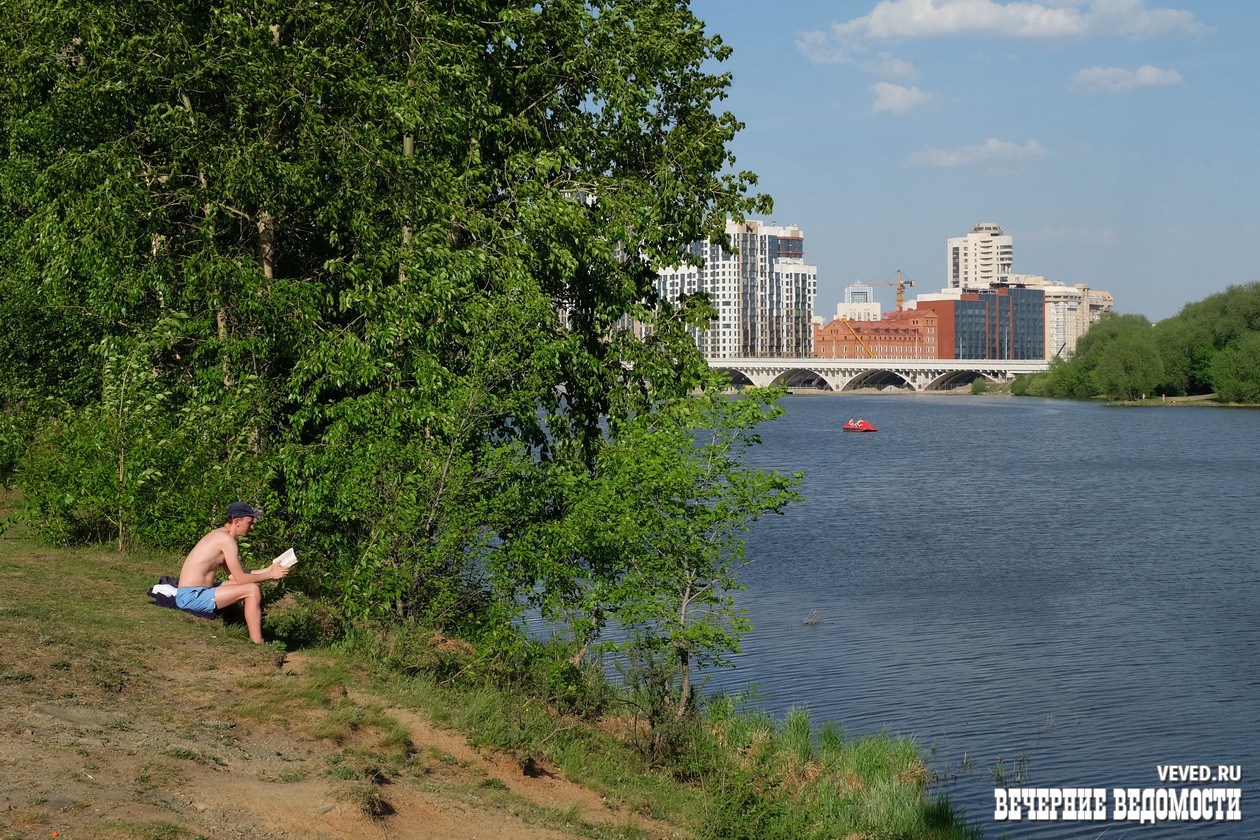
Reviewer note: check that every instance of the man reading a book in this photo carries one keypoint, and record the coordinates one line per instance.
(197, 589)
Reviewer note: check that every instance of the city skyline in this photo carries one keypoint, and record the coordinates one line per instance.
(1112, 139)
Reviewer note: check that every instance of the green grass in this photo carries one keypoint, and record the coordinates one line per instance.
(788, 784)
(157, 830)
(806, 785)
(738, 772)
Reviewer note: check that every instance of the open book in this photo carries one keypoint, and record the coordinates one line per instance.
(287, 559)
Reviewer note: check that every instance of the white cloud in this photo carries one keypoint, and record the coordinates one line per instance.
(993, 151)
(818, 48)
(897, 100)
(909, 19)
(1132, 19)
(891, 67)
(895, 19)
(1120, 80)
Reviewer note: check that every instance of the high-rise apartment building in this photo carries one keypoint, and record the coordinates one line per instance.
(980, 259)
(762, 288)
(983, 259)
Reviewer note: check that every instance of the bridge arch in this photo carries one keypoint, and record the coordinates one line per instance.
(953, 379)
(803, 378)
(739, 379)
(949, 380)
(880, 378)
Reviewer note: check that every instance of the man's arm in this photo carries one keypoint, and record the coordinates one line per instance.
(237, 573)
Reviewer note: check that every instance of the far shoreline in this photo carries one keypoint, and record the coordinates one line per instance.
(1003, 390)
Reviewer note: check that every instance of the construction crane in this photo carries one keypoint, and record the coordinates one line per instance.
(900, 283)
(858, 337)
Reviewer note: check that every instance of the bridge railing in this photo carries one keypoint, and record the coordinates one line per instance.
(850, 374)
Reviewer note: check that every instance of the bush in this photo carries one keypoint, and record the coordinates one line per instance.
(414, 649)
(302, 622)
(649, 676)
(776, 780)
(137, 468)
(580, 690)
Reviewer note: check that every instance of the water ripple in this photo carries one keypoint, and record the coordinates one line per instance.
(1068, 587)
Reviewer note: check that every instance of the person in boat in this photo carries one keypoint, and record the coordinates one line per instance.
(851, 422)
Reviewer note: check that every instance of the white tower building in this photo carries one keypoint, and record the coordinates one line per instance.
(859, 304)
(763, 292)
(980, 258)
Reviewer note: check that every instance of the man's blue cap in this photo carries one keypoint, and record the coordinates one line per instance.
(238, 509)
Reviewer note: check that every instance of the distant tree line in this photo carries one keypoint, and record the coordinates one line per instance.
(1211, 347)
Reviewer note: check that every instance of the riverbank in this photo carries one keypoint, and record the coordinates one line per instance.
(1003, 389)
(126, 720)
(893, 392)
(1196, 400)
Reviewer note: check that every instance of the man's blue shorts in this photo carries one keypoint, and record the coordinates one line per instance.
(196, 598)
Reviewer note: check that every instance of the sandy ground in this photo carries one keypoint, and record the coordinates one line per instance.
(134, 728)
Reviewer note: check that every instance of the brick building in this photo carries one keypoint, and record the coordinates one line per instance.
(911, 334)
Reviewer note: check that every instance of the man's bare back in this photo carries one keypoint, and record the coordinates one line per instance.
(210, 552)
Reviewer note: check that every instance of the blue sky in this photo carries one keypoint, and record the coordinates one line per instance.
(1115, 140)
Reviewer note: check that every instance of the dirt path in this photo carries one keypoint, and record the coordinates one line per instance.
(119, 719)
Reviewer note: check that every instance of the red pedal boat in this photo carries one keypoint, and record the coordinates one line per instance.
(858, 426)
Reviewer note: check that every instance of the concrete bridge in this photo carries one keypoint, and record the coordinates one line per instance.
(852, 374)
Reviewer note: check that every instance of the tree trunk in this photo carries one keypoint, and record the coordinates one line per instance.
(684, 657)
(409, 149)
(684, 689)
(267, 244)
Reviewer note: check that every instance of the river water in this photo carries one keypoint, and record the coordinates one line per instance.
(1041, 593)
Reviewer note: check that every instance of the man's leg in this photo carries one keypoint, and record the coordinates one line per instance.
(229, 593)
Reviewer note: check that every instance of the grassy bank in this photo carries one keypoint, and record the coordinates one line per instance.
(122, 719)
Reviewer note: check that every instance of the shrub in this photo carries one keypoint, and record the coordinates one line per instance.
(300, 622)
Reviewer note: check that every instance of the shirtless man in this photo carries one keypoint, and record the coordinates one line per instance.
(197, 589)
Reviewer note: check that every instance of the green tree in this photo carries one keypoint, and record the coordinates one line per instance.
(1109, 328)
(1063, 379)
(1185, 357)
(1185, 351)
(651, 542)
(693, 500)
(648, 537)
(1130, 366)
(1228, 314)
(372, 266)
(1079, 377)
(1235, 371)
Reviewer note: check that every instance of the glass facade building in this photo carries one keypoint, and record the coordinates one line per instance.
(1001, 323)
